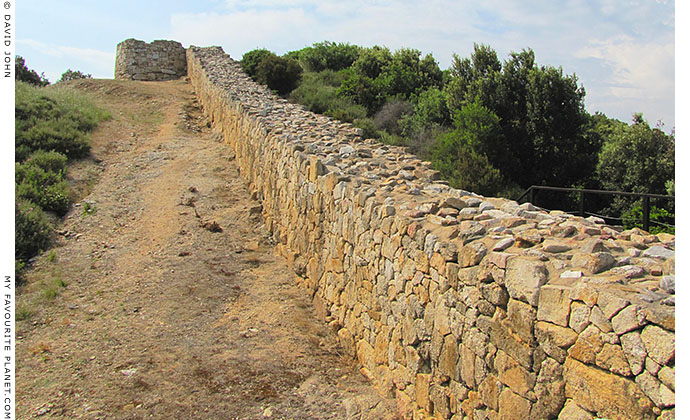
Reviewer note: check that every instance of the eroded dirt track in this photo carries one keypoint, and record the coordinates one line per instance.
(164, 316)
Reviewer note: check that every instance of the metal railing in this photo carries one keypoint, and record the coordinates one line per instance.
(531, 191)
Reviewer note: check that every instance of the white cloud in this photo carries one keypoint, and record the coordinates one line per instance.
(621, 51)
(88, 60)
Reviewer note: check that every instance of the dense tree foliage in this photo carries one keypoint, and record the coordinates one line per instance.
(491, 126)
(250, 61)
(23, 74)
(73, 75)
(278, 73)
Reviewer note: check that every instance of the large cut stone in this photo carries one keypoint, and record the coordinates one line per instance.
(660, 344)
(554, 304)
(524, 279)
(606, 394)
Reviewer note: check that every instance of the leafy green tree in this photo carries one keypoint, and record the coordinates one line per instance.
(328, 55)
(637, 158)
(460, 154)
(250, 61)
(279, 74)
(23, 74)
(543, 123)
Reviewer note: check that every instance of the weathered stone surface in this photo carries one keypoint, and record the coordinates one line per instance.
(511, 374)
(594, 263)
(668, 283)
(554, 304)
(511, 406)
(524, 279)
(610, 304)
(589, 343)
(628, 319)
(549, 390)
(611, 358)
(489, 390)
(658, 251)
(655, 390)
(554, 339)
(522, 317)
(395, 285)
(471, 254)
(660, 344)
(159, 60)
(579, 316)
(598, 318)
(572, 411)
(634, 350)
(667, 375)
(606, 394)
(503, 244)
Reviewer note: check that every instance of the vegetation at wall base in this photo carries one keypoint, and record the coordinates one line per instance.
(52, 125)
(489, 126)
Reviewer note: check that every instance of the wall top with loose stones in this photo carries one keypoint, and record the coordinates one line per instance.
(572, 249)
(159, 60)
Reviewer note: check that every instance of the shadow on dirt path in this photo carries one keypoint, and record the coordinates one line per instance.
(174, 306)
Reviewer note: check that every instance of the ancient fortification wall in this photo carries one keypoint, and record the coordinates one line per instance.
(159, 60)
(458, 305)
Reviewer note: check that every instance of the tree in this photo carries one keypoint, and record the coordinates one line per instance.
(541, 115)
(460, 155)
(637, 158)
(328, 56)
(23, 74)
(280, 74)
(250, 61)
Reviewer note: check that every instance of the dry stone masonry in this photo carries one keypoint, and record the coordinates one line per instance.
(460, 306)
(159, 60)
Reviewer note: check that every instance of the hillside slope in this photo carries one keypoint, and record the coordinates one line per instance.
(173, 305)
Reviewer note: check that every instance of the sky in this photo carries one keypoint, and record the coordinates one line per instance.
(621, 51)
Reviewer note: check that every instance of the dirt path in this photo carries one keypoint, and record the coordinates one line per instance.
(161, 315)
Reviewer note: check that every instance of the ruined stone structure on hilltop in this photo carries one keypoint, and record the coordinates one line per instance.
(159, 60)
(458, 305)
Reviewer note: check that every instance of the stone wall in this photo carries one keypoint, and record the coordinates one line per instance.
(159, 60)
(460, 306)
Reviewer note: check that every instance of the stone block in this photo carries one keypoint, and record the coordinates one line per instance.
(511, 374)
(524, 279)
(627, 320)
(554, 339)
(579, 316)
(660, 344)
(511, 406)
(589, 343)
(572, 411)
(522, 318)
(606, 394)
(554, 304)
(655, 390)
(422, 388)
(489, 390)
(612, 358)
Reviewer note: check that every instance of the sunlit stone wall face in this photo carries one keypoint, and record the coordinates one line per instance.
(458, 305)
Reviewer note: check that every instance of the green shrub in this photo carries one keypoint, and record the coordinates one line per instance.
(73, 75)
(39, 179)
(33, 230)
(388, 117)
(345, 110)
(369, 128)
(250, 61)
(53, 118)
(279, 74)
(328, 56)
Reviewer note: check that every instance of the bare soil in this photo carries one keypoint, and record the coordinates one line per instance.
(162, 298)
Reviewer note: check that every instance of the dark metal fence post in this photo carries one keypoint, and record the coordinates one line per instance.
(531, 195)
(645, 214)
(582, 203)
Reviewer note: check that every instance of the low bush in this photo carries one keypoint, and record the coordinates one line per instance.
(53, 118)
(73, 75)
(33, 230)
